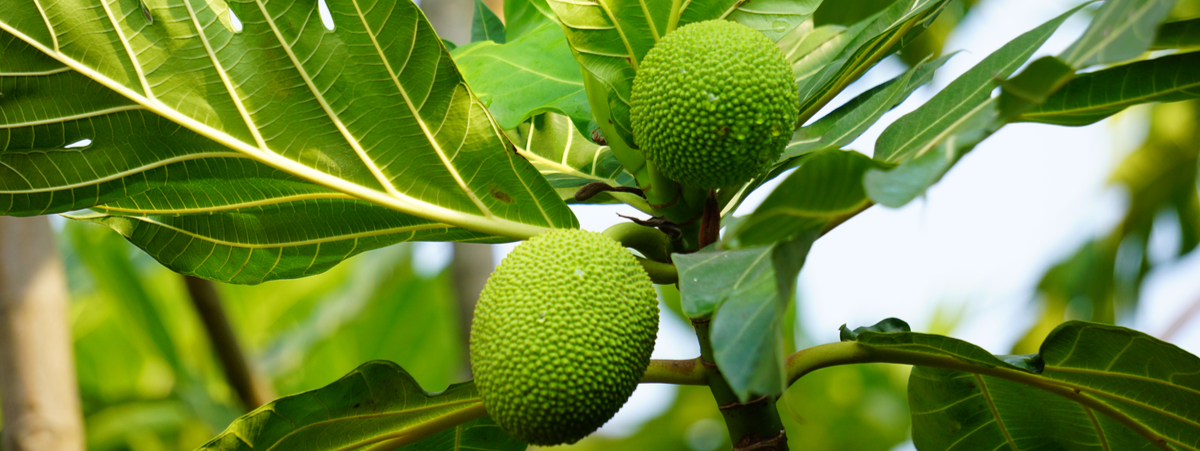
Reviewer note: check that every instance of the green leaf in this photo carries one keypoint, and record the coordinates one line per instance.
(1096, 95)
(774, 18)
(745, 292)
(236, 220)
(878, 36)
(485, 26)
(521, 16)
(609, 38)
(929, 140)
(569, 160)
(477, 435)
(849, 121)
(826, 185)
(888, 325)
(809, 49)
(529, 75)
(1121, 31)
(275, 240)
(921, 130)
(1092, 386)
(376, 404)
(397, 128)
(1033, 85)
(1183, 34)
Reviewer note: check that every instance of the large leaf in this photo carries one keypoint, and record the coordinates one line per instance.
(1092, 386)
(529, 75)
(1121, 31)
(921, 130)
(477, 435)
(1184, 34)
(929, 140)
(609, 39)
(744, 292)
(849, 121)
(522, 16)
(774, 18)
(1096, 95)
(569, 160)
(275, 240)
(872, 39)
(376, 404)
(374, 108)
(825, 186)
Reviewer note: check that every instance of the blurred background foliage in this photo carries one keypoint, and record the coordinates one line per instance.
(150, 382)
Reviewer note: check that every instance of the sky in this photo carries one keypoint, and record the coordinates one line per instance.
(976, 244)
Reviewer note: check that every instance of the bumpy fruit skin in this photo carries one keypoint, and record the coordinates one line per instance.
(561, 335)
(714, 104)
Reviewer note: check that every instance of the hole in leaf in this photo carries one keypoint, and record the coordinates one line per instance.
(326, 17)
(237, 23)
(78, 144)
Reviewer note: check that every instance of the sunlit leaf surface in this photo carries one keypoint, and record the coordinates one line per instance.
(375, 404)
(373, 108)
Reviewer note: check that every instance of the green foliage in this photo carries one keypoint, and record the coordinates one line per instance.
(739, 82)
(744, 292)
(1110, 388)
(279, 148)
(199, 102)
(377, 403)
(569, 317)
(530, 74)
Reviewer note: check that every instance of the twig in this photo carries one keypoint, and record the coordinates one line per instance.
(1181, 320)
(251, 390)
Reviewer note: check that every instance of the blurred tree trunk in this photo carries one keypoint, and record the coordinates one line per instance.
(472, 266)
(37, 367)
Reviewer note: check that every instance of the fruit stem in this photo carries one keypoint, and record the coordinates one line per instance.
(678, 372)
(710, 224)
(753, 424)
(651, 242)
(660, 273)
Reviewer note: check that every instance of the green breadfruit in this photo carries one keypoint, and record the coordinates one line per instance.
(562, 335)
(714, 104)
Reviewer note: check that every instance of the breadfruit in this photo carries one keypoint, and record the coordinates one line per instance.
(714, 104)
(562, 335)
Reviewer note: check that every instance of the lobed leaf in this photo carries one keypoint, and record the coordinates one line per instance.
(403, 132)
(529, 75)
(282, 237)
(1091, 386)
(569, 160)
(377, 404)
